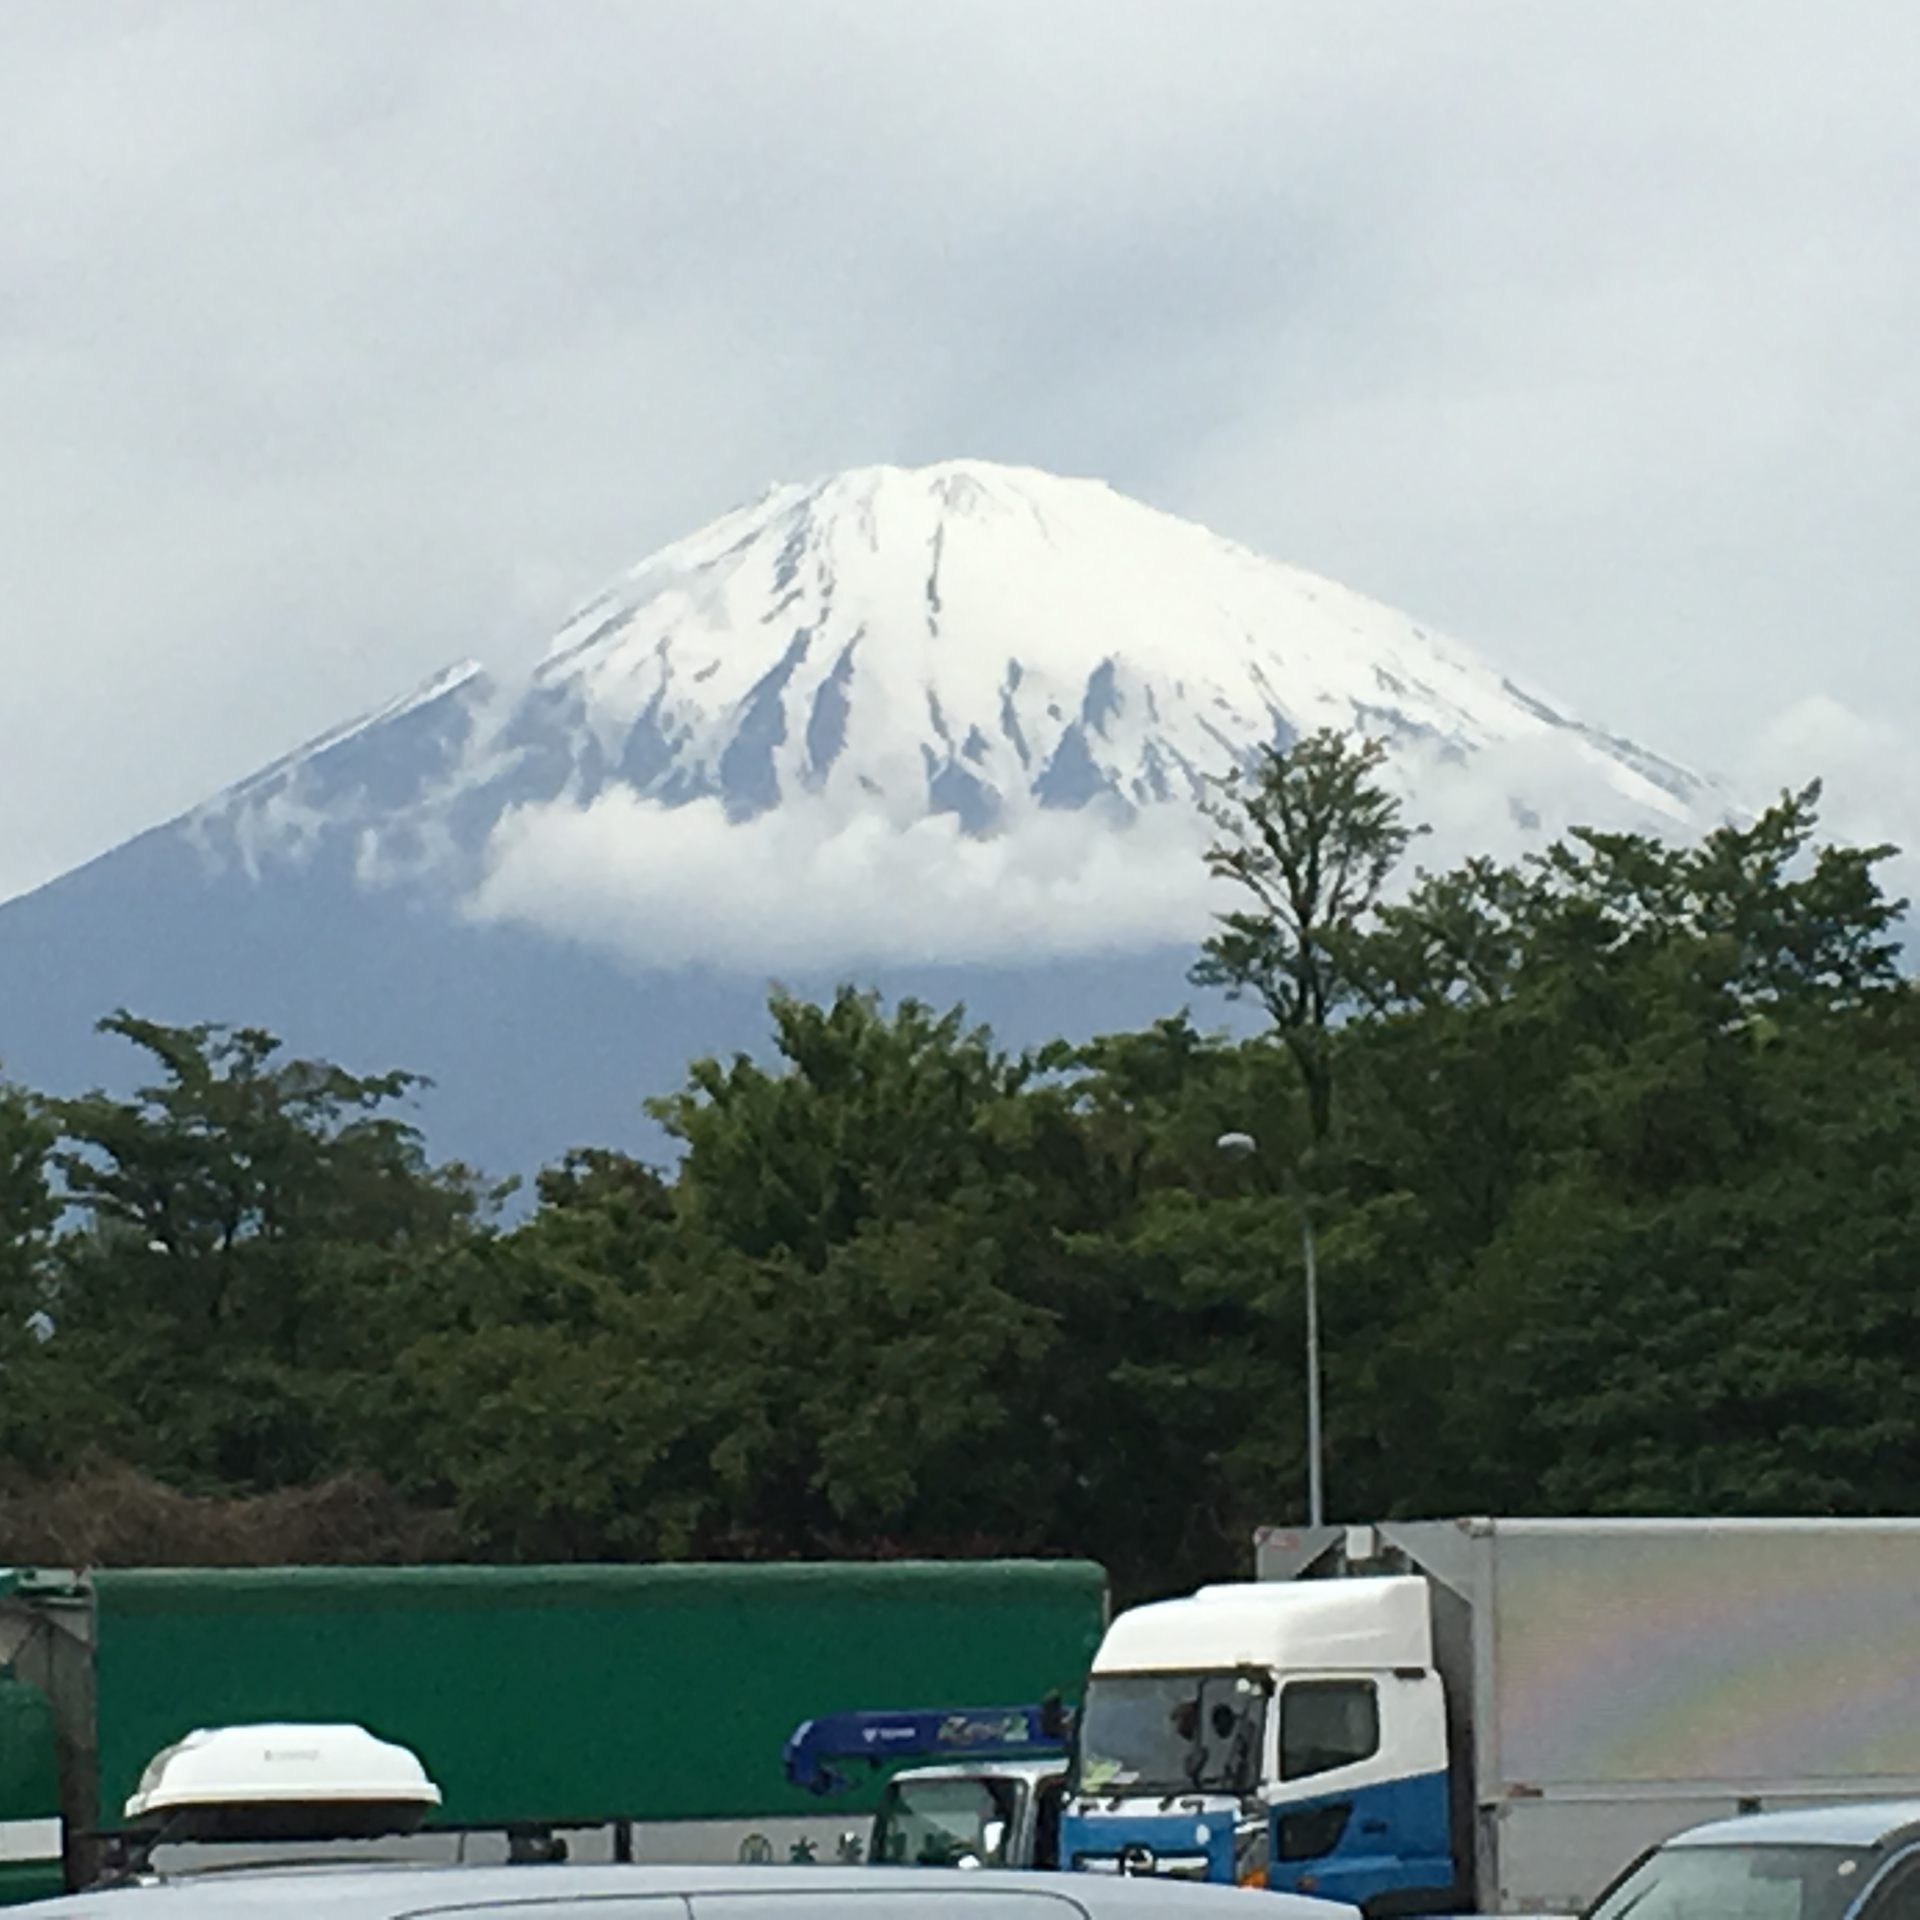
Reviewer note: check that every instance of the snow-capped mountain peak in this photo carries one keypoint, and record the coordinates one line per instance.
(978, 639)
(871, 675)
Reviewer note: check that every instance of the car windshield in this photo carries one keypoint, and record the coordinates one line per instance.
(1172, 1731)
(939, 1823)
(1738, 1883)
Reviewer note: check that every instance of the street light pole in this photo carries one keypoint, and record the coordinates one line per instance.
(1316, 1501)
(1241, 1145)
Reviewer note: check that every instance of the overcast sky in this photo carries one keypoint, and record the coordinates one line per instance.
(338, 341)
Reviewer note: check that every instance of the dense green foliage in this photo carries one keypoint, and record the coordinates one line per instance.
(1618, 1209)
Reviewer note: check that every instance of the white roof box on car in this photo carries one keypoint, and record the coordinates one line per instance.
(282, 1782)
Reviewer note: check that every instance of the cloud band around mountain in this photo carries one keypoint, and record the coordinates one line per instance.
(807, 886)
(815, 884)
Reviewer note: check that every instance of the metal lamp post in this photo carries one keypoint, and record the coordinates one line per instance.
(1240, 1146)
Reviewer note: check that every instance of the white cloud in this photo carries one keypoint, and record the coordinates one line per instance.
(812, 886)
(803, 887)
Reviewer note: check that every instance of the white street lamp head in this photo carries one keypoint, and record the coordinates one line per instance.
(1238, 1144)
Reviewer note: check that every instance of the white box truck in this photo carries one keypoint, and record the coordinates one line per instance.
(1496, 1715)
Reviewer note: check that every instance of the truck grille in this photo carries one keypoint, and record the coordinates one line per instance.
(1145, 1863)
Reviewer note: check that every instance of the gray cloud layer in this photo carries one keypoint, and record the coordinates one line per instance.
(339, 341)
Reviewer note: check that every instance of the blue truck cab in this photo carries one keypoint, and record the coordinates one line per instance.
(1291, 1735)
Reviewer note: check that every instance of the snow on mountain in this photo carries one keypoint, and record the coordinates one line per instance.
(962, 712)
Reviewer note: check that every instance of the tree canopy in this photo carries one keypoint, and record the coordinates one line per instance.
(1618, 1210)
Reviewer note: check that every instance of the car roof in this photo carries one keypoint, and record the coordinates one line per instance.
(389, 1892)
(1858, 1823)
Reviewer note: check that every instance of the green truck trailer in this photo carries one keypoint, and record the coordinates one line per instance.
(645, 1703)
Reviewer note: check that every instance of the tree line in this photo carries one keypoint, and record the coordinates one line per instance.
(1611, 1157)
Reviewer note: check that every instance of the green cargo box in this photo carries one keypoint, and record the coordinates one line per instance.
(580, 1693)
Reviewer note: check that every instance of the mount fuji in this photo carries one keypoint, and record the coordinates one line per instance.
(945, 730)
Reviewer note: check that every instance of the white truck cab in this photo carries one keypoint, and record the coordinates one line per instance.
(1005, 1813)
(1243, 1728)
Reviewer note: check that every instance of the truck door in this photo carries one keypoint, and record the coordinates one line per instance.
(1358, 1793)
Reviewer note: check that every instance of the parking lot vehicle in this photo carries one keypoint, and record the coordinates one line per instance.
(1856, 1861)
(991, 1797)
(661, 1893)
(1490, 1715)
(211, 1811)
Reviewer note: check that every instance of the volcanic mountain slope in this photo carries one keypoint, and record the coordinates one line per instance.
(945, 728)
(971, 645)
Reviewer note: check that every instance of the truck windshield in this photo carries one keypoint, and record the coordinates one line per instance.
(1175, 1732)
(1738, 1883)
(940, 1823)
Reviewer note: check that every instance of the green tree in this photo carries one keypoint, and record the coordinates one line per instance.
(869, 1115)
(1312, 836)
(34, 1406)
(1631, 1096)
(27, 1207)
(568, 1395)
(1618, 1212)
(1177, 1393)
(235, 1216)
(822, 1336)
(895, 1185)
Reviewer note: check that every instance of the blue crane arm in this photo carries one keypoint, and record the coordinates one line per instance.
(883, 1739)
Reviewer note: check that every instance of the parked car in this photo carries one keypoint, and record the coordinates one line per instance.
(667, 1893)
(1854, 1861)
